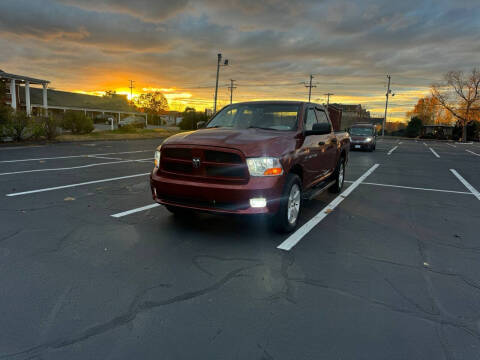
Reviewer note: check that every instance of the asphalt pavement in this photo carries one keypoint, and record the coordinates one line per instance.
(390, 269)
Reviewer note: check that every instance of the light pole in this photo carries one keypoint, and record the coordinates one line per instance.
(219, 60)
(386, 105)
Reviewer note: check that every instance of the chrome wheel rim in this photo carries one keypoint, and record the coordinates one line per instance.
(341, 174)
(293, 205)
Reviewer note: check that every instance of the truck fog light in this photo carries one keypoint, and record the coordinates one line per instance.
(258, 202)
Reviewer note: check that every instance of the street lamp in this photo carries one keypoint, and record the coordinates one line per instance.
(219, 63)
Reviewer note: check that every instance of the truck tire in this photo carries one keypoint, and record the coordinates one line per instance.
(339, 176)
(286, 218)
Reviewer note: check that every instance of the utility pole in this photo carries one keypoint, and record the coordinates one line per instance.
(328, 98)
(131, 89)
(386, 105)
(219, 60)
(231, 87)
(310, 86)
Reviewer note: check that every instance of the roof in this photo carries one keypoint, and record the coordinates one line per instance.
(4, 75)
(69, 99)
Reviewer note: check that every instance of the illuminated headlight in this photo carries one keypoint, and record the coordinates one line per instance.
(264, 166)
(258, 202)
(368, 139)
(157, 158)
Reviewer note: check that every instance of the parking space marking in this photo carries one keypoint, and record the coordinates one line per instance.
(415, 188)
(293, 239)
(133, 211)
(466, 183)
(392, 150)
(75, 156)
(434, 152)
(74, 167)
(471, 152)
(75, 185)
(451, 145)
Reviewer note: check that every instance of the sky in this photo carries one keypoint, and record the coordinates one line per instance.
(273, 46)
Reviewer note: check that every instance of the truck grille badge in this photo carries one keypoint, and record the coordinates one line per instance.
(196, 163)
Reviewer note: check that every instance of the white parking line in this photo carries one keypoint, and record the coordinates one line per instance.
(133, 211)
(471, 152)
(415, 188)
(466, 183)
(293, 239)
(75, 185)
(425, 144)
(392, 150)
(451, 145)
(75, 156)
(73, 167)
(434, 152)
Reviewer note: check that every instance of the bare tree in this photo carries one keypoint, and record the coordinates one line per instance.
(460, 94)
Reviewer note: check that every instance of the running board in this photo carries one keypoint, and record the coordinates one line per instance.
(317, 190)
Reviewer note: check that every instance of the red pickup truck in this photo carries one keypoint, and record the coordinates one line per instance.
(252, 158)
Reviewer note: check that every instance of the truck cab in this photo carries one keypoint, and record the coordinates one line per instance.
(252, 158)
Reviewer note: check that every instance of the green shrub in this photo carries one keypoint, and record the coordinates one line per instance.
(129, 128)
(17, 125)
(37, 129)
(77, 122)
(50, 125)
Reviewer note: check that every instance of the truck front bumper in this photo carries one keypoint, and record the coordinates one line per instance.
(218, 197)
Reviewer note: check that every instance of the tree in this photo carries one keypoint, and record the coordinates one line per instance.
(153, 102)
(190, 118)
(414, 127)
(109, 93)
(430, 111)
(460, 95)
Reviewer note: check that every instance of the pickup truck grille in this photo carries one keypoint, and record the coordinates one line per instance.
(204, 164)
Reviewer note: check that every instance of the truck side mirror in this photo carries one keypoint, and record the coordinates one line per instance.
(200, 124)
(319, 129)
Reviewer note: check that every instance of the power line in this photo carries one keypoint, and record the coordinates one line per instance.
(328, 98)
(131, 89)
(231, 87)
(310, 86)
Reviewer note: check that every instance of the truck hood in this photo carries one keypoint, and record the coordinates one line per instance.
(252, 142)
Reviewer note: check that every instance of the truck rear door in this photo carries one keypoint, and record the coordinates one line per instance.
(315, 146)
(328, 157)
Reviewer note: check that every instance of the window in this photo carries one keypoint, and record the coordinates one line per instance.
(310, 119)
(269, 116)
(322, 117)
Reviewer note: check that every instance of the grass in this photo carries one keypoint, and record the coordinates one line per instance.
(118, 134)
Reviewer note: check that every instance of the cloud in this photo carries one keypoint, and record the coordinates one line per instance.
(273, 45)
(146, 9)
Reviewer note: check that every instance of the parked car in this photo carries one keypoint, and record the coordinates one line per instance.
(252, 158)
(363, 136)
(136, 121)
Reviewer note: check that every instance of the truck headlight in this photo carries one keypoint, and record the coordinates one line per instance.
(264, 166)
(368, 139)
(157, 158)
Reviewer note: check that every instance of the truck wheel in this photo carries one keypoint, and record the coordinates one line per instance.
(339, 176)
(286, 219)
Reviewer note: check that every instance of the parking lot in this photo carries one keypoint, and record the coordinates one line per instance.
(92, 269)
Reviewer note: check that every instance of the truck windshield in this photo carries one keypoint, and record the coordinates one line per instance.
(361, 131)
(282, 117)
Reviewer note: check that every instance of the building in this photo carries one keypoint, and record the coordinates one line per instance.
(16, 83)
(441, 132)
(35, 101)
(354, 113)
